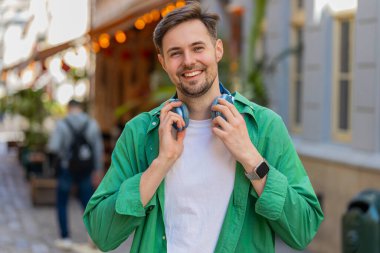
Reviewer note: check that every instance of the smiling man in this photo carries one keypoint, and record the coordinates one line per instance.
(226, 183)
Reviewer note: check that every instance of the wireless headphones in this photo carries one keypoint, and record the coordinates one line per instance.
(184, 112)
(224, 96)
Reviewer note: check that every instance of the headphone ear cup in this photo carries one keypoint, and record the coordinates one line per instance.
(215, 114)
(183, 112)
(229, 99)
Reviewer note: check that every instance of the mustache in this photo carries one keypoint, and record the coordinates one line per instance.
(190, 68)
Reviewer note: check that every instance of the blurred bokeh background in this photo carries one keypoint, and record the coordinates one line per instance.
(314, 62)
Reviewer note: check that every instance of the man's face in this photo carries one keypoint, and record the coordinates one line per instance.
(190, 57)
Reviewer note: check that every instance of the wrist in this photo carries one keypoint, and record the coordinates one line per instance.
(163, 164)
(251, 161)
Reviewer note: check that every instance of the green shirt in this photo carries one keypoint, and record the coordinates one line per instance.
(287, 207)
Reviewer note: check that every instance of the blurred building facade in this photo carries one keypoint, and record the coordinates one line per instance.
(126, 60)
(328, 95)
(326, 88)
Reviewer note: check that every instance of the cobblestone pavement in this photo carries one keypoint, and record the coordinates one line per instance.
(25, 228)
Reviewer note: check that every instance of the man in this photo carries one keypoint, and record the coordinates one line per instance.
(76, 124)
(207, 188)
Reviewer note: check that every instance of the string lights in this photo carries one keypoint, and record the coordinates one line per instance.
(140, 23)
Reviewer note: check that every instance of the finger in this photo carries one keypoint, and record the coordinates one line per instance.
(173, 118)
(167, 110)
(219, 132)
(224, 110)
(230, 106)
(220, 122)
(169, 106)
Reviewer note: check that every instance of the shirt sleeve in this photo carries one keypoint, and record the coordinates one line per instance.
(288, 201)
(115, 210)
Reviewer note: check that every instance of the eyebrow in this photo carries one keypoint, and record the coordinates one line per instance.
(196, 43)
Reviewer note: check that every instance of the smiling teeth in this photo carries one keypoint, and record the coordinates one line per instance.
(191, 74)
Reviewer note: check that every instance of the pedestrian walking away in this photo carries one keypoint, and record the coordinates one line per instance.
(207, 170)
(77, 146)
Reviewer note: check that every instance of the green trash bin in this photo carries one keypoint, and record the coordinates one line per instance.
(361, 224)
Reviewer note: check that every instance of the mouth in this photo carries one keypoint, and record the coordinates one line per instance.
(191, 74)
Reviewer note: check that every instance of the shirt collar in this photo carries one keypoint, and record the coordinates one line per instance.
(242, 104)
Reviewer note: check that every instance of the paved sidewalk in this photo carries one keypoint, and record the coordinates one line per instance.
(28, 229)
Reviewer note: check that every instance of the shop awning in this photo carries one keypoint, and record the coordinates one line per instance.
(108, 17)
(43, 54)
(126, 13)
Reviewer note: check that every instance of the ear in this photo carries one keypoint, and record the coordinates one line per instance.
(219, 49)
(162, 61)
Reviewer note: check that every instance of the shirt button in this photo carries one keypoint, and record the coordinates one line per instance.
(164, 238)
(154, 123)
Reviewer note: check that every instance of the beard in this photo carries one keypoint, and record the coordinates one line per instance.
(195, 88)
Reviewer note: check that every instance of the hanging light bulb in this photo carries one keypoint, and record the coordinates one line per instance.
(155, 15)
(95, 46)
(180, 4)
(147, 18)
(170, 8)
(140, 24)
(104, 40)
(120, 36)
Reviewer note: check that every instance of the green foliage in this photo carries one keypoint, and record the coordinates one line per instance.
(255, 75)
(256, 82)
(35, 106)
(77, 74)
(224, 67)
(146, 103)
(162, 89)
(27, 103)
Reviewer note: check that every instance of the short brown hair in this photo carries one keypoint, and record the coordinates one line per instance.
(192, 10)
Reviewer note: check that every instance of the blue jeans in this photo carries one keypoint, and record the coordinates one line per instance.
(65, 182)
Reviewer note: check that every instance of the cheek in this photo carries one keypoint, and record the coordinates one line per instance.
(173, 71)
(211, 59)
(212, 62)
(172, 67)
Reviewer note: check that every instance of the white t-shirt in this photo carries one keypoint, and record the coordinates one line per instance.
(197, 190)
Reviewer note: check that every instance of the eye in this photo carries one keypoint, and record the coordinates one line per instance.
(198, 49)
(174, 53)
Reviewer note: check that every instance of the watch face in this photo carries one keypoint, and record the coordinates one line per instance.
(262, 170)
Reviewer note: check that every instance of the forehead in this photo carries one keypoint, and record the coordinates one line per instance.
(185, 34)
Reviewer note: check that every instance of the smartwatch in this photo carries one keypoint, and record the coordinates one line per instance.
(259, 172)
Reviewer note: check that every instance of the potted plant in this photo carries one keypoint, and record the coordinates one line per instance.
(35, 107)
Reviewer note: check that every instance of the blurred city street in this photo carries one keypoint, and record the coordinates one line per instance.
(315, 64)
(25, 228)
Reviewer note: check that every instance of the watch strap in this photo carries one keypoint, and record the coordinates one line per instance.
(259, 172)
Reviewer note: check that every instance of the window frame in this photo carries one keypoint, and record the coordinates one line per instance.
(297, 22)
(339, 134)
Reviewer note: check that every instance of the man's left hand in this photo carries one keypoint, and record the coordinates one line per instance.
(234, 134)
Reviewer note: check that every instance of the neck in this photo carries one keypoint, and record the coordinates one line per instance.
(75, 110)
(200, 107)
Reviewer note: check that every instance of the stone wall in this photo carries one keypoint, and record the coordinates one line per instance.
(337, 184)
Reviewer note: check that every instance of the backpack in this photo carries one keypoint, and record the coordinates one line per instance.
(80, 153)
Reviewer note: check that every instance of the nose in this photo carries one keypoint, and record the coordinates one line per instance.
(188, 58)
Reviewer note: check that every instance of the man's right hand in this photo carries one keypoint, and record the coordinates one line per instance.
(171, 140)
(171, 147)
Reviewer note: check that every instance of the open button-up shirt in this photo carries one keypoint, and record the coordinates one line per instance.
(287, 207)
